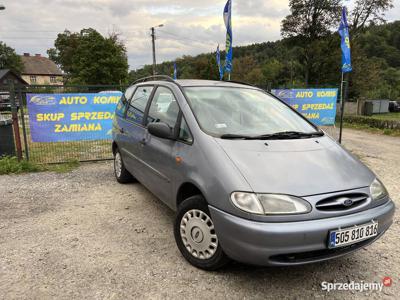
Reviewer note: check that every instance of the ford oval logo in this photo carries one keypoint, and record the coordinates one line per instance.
(348, 202)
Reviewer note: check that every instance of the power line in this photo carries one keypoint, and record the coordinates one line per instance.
(171, 36)
(56, 31)
(183, 38)
(26, 38)
(61, 30)
(176, 39)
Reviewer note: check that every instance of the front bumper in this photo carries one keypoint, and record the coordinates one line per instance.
(291, 243)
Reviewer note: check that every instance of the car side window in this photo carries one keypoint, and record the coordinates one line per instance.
(184, 132)
(163, 108)
(138, 103)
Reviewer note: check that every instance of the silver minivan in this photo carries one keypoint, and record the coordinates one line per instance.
(250, 178)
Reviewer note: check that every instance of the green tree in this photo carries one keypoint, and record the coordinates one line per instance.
(368, 12)
(89, 58)
(243, 66)
(280, 64)
(309, 27)
(310, 21)
(9, 59)
(392, 82)
(366, 76)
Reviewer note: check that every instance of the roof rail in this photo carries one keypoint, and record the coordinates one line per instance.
(244, 83)
(154, 77)
(170, 79)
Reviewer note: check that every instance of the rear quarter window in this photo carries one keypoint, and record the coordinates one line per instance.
(122, 104)
(121, 107)
(138, 103)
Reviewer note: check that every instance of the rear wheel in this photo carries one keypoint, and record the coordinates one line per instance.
(121, 173)
(195, 235)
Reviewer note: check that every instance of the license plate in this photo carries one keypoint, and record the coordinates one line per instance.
(348, 236)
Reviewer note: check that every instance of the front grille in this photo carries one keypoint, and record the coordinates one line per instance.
(342, 202)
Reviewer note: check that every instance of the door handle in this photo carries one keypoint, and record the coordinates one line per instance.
(121, 130)
(143, 142)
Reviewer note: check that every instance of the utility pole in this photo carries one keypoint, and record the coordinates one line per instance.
(153, 40)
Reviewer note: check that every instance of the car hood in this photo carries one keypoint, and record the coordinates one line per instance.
(300, 167)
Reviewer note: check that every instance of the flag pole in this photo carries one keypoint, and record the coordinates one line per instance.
(346, 66)
(341, 101)
(344, 91)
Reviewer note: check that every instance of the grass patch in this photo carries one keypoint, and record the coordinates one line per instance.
(364, 127)
(11, 165)
(389, 127)
(388, 116)
(64, 167)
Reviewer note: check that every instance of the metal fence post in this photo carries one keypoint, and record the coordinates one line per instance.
(14, 112)
(22, 114)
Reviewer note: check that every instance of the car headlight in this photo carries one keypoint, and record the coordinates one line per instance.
(247, 202)
(270, 204)
(378, 190)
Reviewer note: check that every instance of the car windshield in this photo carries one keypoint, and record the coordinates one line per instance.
(223, 111)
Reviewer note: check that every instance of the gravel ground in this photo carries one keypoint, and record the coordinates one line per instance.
(81, 235)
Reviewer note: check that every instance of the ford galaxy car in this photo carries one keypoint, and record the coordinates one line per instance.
(250, 178)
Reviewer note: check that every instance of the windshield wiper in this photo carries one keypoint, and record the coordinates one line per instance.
(284, 135)
(230, 136)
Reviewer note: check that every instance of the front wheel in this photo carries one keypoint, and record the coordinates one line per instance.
(121, 173)
(195, 235)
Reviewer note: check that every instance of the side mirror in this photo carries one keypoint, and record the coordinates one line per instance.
(160, 130)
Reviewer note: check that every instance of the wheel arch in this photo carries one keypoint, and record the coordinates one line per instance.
(114, 147)
(186, 190)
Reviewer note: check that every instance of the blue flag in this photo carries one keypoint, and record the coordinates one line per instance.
(175, 71)
(228, 24)
(221, 70)
(346, 50)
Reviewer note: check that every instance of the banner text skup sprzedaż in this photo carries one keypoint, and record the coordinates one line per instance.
(71, 117)
(317, 105)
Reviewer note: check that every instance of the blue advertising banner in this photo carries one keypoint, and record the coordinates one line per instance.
(317, 105)
(71, 117)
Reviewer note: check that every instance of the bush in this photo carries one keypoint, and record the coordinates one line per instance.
(11, 165)
(372, 122)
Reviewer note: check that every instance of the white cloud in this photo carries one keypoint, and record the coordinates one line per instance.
(191, 26)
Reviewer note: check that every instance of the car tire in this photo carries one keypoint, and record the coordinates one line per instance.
(121, 173)
(200, 246)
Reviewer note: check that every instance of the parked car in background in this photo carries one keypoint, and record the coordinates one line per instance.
(250, 178)
(394, 106)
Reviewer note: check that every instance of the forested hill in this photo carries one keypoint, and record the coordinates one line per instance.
(376, 63)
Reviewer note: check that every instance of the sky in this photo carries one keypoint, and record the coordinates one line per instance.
(190, 26)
